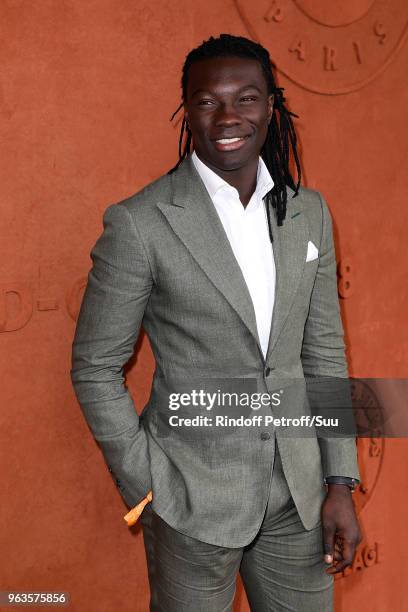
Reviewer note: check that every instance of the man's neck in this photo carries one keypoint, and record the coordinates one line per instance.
(243, 179)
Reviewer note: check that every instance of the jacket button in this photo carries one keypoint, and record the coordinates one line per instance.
(265, 435)
(267, 371)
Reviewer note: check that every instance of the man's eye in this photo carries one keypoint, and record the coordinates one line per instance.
(249, 98)
(205, 102)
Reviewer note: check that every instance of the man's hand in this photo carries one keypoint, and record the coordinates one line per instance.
(341, 531)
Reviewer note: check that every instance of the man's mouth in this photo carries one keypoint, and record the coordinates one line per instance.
(230, 144)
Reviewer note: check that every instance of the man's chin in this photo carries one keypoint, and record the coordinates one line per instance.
(228, 160)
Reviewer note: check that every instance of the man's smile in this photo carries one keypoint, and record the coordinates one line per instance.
(230, 144)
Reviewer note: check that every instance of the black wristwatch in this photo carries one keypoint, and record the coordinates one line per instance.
(345, 480)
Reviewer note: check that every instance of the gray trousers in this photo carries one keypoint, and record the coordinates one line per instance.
(282, 568)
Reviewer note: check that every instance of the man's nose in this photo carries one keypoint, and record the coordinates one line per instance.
(227, 115)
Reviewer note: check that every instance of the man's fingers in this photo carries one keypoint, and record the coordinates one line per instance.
(344, 558)
(339, 567)
(328, 541)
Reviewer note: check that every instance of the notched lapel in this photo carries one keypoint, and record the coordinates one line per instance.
(193, 217)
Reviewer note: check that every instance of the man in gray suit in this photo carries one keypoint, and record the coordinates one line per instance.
(230, 268)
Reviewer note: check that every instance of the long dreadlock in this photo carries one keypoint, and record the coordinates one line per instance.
(281, 134)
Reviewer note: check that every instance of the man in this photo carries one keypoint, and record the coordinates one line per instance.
(203, 257)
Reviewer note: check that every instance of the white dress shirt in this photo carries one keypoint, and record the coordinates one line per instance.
(247, 232)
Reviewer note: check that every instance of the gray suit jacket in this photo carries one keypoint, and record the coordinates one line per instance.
(164, 261)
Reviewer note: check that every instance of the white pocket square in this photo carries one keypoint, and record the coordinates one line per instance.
(312, 252)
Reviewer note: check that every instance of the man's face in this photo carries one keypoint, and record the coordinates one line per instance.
(227, 98)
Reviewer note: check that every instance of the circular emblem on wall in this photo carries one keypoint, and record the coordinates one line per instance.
(328, 47)
(369, 420)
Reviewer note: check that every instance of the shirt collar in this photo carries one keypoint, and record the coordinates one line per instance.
(213, 182)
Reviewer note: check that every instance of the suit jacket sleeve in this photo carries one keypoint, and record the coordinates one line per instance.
(323, 355)
(118, 288)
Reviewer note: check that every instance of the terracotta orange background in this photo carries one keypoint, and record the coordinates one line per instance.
(86, 92)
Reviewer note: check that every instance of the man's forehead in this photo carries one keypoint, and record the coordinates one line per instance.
(242, 72)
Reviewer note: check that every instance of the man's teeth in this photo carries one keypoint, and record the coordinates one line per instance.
(227, 140)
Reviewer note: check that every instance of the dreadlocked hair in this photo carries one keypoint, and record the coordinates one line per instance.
(281, 135)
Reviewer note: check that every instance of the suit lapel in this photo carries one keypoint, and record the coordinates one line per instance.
(289, 248)
(194, 219)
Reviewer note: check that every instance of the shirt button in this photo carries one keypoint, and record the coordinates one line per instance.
(265, 435)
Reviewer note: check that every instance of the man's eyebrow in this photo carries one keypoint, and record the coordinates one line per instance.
(251, 86)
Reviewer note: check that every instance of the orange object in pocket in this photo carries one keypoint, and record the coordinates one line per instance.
(133, 515)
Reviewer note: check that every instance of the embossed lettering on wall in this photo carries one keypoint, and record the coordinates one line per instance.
(16, 306)
(366, 556)
(74, 297)
(328, 47)
(345, 276)
(18, 302)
